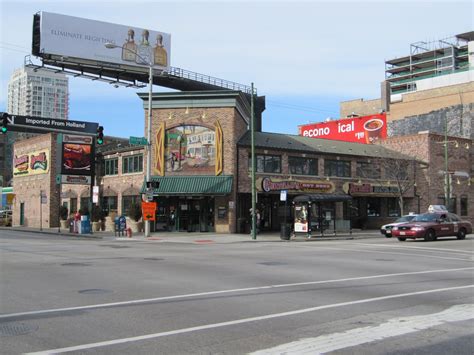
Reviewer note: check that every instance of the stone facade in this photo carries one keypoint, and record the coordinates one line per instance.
(28, 187)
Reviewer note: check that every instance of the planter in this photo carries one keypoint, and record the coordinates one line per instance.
(96, 226)
(109, 224)
(64, 224)
(133, 225)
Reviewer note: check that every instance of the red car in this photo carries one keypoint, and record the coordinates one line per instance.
(431, 226)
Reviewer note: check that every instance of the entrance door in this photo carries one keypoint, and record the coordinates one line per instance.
(22, 213)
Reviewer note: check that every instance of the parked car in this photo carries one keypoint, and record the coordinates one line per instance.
(386, 229)
(6, 218)
(431, 226)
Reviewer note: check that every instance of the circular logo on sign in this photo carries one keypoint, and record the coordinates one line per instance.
(266, 184)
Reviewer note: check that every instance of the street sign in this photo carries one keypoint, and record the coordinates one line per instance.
(95, 194)
(137, 140)
(44, 198)
(148, 211)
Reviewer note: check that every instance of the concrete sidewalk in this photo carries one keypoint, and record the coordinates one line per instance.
(195, 237)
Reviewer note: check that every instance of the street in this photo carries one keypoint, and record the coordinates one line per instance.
(108, 296)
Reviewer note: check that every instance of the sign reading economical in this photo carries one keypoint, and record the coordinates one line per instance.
(367, 129)
(80, 38)
(271, 184)
(33, 163)
(148, 211)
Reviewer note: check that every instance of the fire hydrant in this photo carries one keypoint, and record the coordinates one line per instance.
(129, 232)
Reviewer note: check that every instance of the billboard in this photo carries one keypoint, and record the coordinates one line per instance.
(33, 163)
(81, 38)
(77, 155)
(366, 129)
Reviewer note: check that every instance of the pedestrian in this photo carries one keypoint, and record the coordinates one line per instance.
(258, 220)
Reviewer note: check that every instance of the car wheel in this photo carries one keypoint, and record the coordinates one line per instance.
(401, 239)
(430, 236)
(461, 234)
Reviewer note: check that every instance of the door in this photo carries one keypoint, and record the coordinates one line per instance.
(22, 213)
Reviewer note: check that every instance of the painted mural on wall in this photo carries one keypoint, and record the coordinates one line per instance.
(33, 163)
(190, 149)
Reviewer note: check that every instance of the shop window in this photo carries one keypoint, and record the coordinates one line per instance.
(73, 203)
(111, 166)
(303, 166)
(85, 202)
(373, 207)
(393, 207)
(109, 204)
(266, 163)
(132, 164)
(464, 206)
(368, 170)
(451, 207)
(128, 201)
(340, 168)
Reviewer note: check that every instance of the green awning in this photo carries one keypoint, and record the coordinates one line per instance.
(192, 185)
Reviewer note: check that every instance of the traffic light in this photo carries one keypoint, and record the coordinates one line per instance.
(100, 135)
(4, 122)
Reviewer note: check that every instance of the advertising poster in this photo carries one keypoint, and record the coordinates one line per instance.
(366, 130)
(301, 219)
(77, 155)
(81, 38)
(33, 163)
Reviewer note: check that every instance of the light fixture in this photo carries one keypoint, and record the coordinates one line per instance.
(360, 181)
(467, 146)
(327, 178)
(456, 144)
(203, 116)
(186, 111)
(170, 115)
(458, 182)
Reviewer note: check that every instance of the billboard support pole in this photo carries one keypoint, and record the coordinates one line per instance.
(148, 137)
(91, 195)
(252, 150)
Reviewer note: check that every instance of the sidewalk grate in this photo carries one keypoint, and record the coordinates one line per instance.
(12, 329)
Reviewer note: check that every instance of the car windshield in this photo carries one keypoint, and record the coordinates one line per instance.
(404, 219)
(426, 217)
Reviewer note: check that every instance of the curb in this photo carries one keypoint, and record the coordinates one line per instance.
(70, 235)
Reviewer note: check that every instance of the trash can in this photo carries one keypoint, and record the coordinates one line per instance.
(285, 231)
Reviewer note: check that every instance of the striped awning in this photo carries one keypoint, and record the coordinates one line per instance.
(192, 185)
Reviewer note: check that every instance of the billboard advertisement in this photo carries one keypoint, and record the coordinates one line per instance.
(33, 163)
(77, 155)
(366, 129)
(81, 38)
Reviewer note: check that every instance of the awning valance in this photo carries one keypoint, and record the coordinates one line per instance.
(192, 185)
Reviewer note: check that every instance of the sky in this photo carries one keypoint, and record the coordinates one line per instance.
(305, 57)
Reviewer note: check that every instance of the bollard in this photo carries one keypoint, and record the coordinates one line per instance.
(129, 232)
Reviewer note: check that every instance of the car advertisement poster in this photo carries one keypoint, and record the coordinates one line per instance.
(366, 129)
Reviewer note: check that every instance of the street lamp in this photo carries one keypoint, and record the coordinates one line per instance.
(148, 135)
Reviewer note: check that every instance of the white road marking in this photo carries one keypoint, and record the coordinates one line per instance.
(393, 327)
(239, 321)
(413, 247)
(190, 295)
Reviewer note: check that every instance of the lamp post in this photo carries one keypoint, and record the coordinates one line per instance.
(148, 135)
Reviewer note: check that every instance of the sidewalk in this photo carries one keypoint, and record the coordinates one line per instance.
(195, 237)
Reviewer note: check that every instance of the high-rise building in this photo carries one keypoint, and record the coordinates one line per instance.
(32, 92)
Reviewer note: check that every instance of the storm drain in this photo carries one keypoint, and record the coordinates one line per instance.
(153, 259)
(114, 246)
(94, 291)
(272, 263)
(384, 259)
(76, 264)
(12, 329)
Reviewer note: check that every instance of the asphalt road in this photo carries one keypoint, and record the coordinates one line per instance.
(367, 296)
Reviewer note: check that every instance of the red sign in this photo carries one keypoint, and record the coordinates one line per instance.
(367, 129)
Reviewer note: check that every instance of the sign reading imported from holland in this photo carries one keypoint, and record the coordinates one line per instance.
(33, 163)
(75, 37)
(367, 129)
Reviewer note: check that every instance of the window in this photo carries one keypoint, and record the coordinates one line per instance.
(393, 208)
(111, 166)
(368, 170)
(464, 206)
(373, 207)
(73, 203)
(266, 163)
(303, 166)
(452, 205)
(128, 201)
(339, 168)
(85, 202)
(109, 204)
(132, 164)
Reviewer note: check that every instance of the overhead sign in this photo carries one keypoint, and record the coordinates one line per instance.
(33, 163)
(137, 141)
(80, 38)
(148, 211)
(367, 129)
(42, 124)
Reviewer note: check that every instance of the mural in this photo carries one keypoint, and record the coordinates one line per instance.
(190, 149)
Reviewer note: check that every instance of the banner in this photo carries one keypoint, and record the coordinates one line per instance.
(366, 130)
(33, 163)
